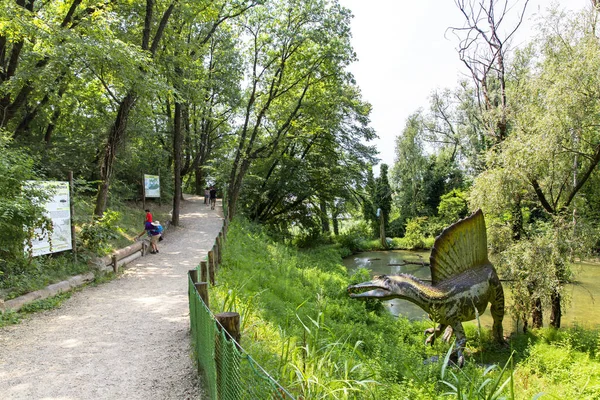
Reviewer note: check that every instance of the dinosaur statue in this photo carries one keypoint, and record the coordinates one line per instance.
(463, 281)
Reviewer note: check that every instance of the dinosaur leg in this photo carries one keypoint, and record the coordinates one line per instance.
(434, 333)
(497, 311)
(461, 340)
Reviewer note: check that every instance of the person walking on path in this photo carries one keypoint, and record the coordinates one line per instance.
(213, 197)
(124, 339)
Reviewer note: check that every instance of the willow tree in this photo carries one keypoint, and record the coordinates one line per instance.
(552, 152)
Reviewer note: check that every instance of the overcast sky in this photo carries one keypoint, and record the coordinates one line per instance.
(405, 53)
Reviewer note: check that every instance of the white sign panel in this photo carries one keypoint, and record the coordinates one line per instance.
(152, 185)
(58, 210)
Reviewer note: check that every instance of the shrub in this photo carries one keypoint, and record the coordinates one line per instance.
(20, 204)
(97, 234)
(414, 238)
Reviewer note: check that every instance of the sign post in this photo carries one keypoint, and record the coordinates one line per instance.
(150, 187)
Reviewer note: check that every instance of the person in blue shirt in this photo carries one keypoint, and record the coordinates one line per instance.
(154, 230)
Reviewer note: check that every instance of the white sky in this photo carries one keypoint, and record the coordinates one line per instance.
(404, 56)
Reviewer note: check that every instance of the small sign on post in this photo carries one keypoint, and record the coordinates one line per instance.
(152, 186)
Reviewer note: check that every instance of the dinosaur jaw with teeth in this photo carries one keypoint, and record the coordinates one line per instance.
(375, 288)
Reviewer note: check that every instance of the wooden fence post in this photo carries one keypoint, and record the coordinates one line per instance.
(216, 255)
(202, 288)
(203, 271)
(72, 211)
(194, 275)
(230, 321)
(211, 267)
(220, 246)
(114, 263)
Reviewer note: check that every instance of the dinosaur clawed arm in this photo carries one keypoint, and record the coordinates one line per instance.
(437, 331)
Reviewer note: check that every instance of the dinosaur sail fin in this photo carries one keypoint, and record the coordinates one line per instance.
(460, 247)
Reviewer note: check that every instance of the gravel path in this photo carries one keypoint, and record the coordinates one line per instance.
(125, 339)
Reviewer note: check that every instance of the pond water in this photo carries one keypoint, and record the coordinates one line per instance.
(583, 295)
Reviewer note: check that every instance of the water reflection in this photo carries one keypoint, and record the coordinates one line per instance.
(581, 309)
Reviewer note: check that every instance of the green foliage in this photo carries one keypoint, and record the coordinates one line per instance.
(96, 236)
(303, 293)
(422, 180)
(576, 338)
(352, 240)
(405, 243)
(453, 207)
(413, 239)
(23, 275)
(559, 371)
(383, 195)
(300, 325)
(14, 317)
(470, 383)
(19, 203)
(304, 326)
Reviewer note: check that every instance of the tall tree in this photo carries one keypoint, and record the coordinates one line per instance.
(383, 200)
(118, 129)
(409, 168)
(483, 49)
(192, 40)
(292, 47)
(321, 164)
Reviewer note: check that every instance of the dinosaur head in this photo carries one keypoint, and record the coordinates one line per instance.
(381, 287)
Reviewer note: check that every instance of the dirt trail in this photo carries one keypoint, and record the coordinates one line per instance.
(125, 339)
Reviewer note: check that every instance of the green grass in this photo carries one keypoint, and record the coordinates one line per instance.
(11, 317)
(299, 324)
(27, 275)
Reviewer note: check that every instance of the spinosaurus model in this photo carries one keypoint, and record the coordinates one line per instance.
(462, 281)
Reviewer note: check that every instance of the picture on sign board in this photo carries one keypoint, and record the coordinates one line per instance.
(152, 185)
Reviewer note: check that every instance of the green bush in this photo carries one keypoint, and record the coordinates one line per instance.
(414, 238)
(22, 275)
(20, 204)
(97, 235)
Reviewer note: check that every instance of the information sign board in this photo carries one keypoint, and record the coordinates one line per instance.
(152, 185)
(58, 210)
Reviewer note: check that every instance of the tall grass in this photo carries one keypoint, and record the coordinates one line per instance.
(300, 325)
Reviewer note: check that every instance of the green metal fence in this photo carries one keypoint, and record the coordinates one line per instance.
(228, 372)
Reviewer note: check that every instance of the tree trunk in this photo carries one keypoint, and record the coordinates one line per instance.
(335, 223)
(537, 314)
(382, 230)
(235, 186)
(199, 184)
(324, 218)
(556, 314)
(116, 136)
(177, 143)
